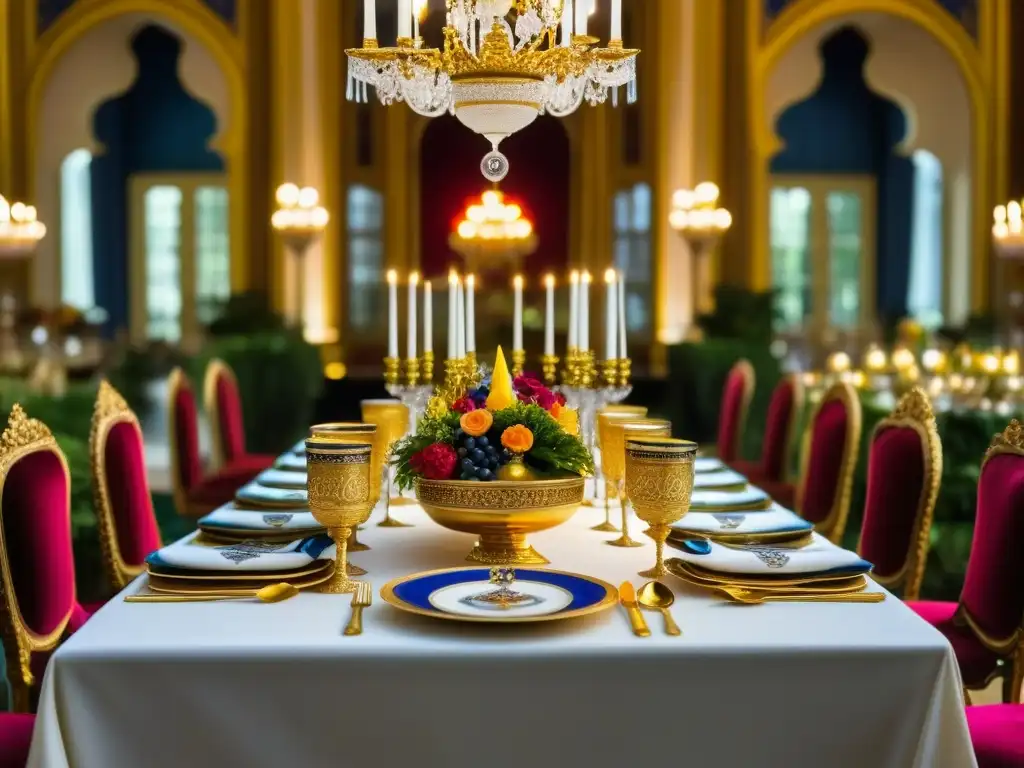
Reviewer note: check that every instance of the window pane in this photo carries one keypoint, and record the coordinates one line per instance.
(791, 262)
(845, 210)
(926, 267)
(631, 252)
(213, 255)
(365, 257)
(163, 263)
(76, 230)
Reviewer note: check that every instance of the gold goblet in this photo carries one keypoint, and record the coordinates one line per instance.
(617, 431)
(611, 411)
(659, 483)
(357, 432)
(338, 481)
(392, 420)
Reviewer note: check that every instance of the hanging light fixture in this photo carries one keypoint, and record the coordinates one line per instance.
(492, 233)
(502, 65)
(20, 229)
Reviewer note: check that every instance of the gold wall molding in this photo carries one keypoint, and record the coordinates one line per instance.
(766, 48)
(213, 33)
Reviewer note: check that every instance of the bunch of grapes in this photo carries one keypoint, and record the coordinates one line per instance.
(479, 457)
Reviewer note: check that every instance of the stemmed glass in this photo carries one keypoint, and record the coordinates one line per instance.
(618, 430)
(659, 484)
(634, 411)
(339, 475)
(392, 419)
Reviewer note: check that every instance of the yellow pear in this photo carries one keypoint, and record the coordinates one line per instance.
(501, 395)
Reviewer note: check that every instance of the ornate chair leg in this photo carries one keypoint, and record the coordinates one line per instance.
(967, 698)
(21, 698)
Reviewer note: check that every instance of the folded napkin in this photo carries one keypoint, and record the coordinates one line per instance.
(243, 556)
(279, 478)
(299, 447)
(231, 519)
(819, 557)
(775, 519)
(707, 464)
(253, 493)
(724, 500)
(291, 462)
(718, 479)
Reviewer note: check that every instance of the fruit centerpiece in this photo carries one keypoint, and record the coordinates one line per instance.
(500, 459)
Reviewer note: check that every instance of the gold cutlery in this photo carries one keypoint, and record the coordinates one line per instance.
(627, 596)
(655, 596)
(362, 598)
(754, 597)
(272, 593)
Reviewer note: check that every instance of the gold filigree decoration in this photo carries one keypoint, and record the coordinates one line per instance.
(915, 406)
(1010, 440)
(535, 494)
(21, 433)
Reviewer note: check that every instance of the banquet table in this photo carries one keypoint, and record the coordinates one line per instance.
(248, 684)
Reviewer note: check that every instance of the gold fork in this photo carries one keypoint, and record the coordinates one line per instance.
(362, 598)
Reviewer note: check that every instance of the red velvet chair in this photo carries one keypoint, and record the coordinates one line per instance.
(829, 460)
(124, 508)
(997, 732)
(37, 567)
(195, 494)
(15, 738)
(904, 471)
(780, 425)
(223, 405)
(739, 388)
(985, 627)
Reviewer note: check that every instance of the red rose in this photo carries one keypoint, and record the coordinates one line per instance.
(463, 405)
(435, 462)
(526, 387)
(560, 398)
(546, 399)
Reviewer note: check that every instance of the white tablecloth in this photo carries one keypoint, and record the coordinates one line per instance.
(245, 684)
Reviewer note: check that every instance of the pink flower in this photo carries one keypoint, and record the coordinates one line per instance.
(435, 462)
(463, 405)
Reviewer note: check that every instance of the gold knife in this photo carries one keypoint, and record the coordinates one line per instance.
(627, 596)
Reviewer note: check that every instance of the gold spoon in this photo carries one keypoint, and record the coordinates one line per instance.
(753, 597)
(272, 593)
(655, 596)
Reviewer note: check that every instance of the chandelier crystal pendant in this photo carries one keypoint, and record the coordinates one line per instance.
(502, 64)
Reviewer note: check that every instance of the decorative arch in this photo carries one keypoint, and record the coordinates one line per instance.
(801, 17)
(202, 24)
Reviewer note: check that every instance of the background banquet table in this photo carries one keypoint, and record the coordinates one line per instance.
(248, 684)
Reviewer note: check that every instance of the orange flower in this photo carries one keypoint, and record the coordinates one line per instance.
(476, 423)
(517, 438)
(556, 410)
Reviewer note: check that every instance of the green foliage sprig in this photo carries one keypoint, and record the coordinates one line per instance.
(554, 450)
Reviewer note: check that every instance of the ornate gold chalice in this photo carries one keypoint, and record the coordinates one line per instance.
(338, 480)
(501, 513)
(392, 420)
(616, 432)
(358, 432)
(659, 483)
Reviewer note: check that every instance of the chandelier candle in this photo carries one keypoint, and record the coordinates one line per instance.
(369, 20)
(470, 342)
(549, 312)
(581, 18)
(517, 313)
(392, 313)
(616, 35)
(574, 309)
(583, 333)
(453, 314)
(611, 328)
(405, 19)
(567, 23)
(622, 315)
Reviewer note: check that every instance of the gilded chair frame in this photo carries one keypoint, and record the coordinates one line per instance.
(216, 369)
(24, 437)
(746, 370)
(176, 382)
(834, 525)
(914, 411)
(799, 395)
(1010, 649)
(109, 411)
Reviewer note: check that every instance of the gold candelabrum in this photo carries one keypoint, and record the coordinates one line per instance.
(518, 361)
(549, 366)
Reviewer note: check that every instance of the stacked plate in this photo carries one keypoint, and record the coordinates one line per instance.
(233, 523)
(291, 462)
(254, 494)
(744, 499)
(721, 479)
(808, 568)
(704, 464)
(198, 566)
(772, 525)
(281, 478)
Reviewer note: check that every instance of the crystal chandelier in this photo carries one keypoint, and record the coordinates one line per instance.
(20, 230)
(502, 64)
(493, 231)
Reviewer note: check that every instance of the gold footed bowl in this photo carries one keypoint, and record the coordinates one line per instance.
(501, 513)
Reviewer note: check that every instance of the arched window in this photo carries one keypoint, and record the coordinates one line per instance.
(76, 267)
(365, 223)
(632, 253)
(924, 297)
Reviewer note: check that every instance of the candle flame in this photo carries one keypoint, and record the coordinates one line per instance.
(517, 281)
(471, 280)
(610, 275)
(549, 280)
(574, 276)
(586, 277)
(414, 278)
(392, 276)
(453, 277)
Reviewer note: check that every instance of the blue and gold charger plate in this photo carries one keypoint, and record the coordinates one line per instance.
(460, 594)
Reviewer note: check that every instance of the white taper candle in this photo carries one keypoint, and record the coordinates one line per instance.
(611, 327)
(581, 17)
(549, 315)
(616, 20)
(428, 317)
(405, 18)
(410, 309)
(460, 312)
(470, 314)
(574, 309)
(369, 19)
(622, 315)
(566, 28)
(392, 313)
(453, 314)
(584, 332)
(517, 312)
